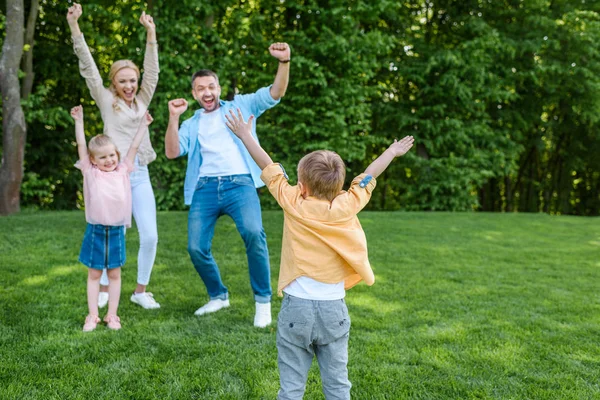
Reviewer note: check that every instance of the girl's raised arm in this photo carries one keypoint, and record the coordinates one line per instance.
(77, 114)
(139, 135)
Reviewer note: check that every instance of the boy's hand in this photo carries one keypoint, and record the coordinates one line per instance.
(280, 51)
(77, 113)
(74, 13)
(147, 21)
(147, 119)
(177, 107)
(396, 149)
(400, 148)
(237, 125)
(243, 130)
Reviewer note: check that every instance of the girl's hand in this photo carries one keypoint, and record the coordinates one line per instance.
(147, 119)
(147, 21)
(74, 13)
(77, 113)
(237, 124)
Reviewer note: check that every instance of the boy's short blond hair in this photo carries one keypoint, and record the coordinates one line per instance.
(323, 172)
(99, 141)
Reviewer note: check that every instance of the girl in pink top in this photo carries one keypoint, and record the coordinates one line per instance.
(107, 195)
(122, 107)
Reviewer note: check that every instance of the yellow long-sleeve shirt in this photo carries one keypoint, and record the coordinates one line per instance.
(322, 240)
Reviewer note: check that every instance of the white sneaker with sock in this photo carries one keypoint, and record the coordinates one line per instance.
(262, 318)
(145, 300)
(212, 306)
(102, 299)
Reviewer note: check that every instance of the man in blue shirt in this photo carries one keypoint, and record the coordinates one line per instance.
(221, 178)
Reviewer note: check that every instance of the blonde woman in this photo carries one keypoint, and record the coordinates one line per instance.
(122, 107)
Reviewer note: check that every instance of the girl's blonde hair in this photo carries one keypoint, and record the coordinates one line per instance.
(99, 141)
(116, 67)
(323, 172)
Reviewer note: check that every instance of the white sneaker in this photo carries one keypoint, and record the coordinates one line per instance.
(145, 300)
(102, 299)
(212, 306)
(262, 318)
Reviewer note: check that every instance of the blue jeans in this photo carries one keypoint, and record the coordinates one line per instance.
(235, 196)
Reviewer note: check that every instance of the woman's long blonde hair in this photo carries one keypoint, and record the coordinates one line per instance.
(116, 67)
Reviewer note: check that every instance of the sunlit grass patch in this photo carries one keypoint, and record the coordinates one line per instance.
(464, 306)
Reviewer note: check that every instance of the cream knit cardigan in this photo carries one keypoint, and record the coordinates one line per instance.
(121, 121)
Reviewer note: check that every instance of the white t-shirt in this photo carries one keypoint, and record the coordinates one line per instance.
(221, 156)
(310, 289)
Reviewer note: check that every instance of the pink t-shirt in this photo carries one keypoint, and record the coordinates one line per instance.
(107, 195)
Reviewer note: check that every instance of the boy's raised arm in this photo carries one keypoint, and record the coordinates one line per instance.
(77, 114)
(139, 135)
(396, 149)
(243, 130)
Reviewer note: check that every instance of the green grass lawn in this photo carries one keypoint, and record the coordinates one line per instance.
(465, 306)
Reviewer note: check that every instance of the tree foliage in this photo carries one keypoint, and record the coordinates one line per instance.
(501, 96)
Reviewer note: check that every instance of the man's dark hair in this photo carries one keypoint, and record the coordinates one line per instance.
(204, 72)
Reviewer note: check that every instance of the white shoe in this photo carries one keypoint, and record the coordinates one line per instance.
(102, 299)
(262, 318)
(212, 306)
(145, 300)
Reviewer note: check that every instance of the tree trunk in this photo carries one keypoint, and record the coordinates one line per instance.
(483, 197)
(13, 120)
(383, 196)
(27, 62)
(422, 151)
(507, 193)
(492, 198)
(231, 94)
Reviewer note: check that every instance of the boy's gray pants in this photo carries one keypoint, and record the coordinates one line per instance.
(313, 327)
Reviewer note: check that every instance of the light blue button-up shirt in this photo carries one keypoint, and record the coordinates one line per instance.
(249, 104)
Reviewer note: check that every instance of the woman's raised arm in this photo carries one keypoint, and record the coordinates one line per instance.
(87, 66)
(151, 69)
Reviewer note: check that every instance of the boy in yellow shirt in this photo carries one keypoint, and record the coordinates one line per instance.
(323, 253)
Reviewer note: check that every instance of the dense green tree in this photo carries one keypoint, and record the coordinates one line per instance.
(501, 96)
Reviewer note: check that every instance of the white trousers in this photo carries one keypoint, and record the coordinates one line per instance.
(144, 212)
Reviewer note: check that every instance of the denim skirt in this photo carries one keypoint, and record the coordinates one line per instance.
(103, 246)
